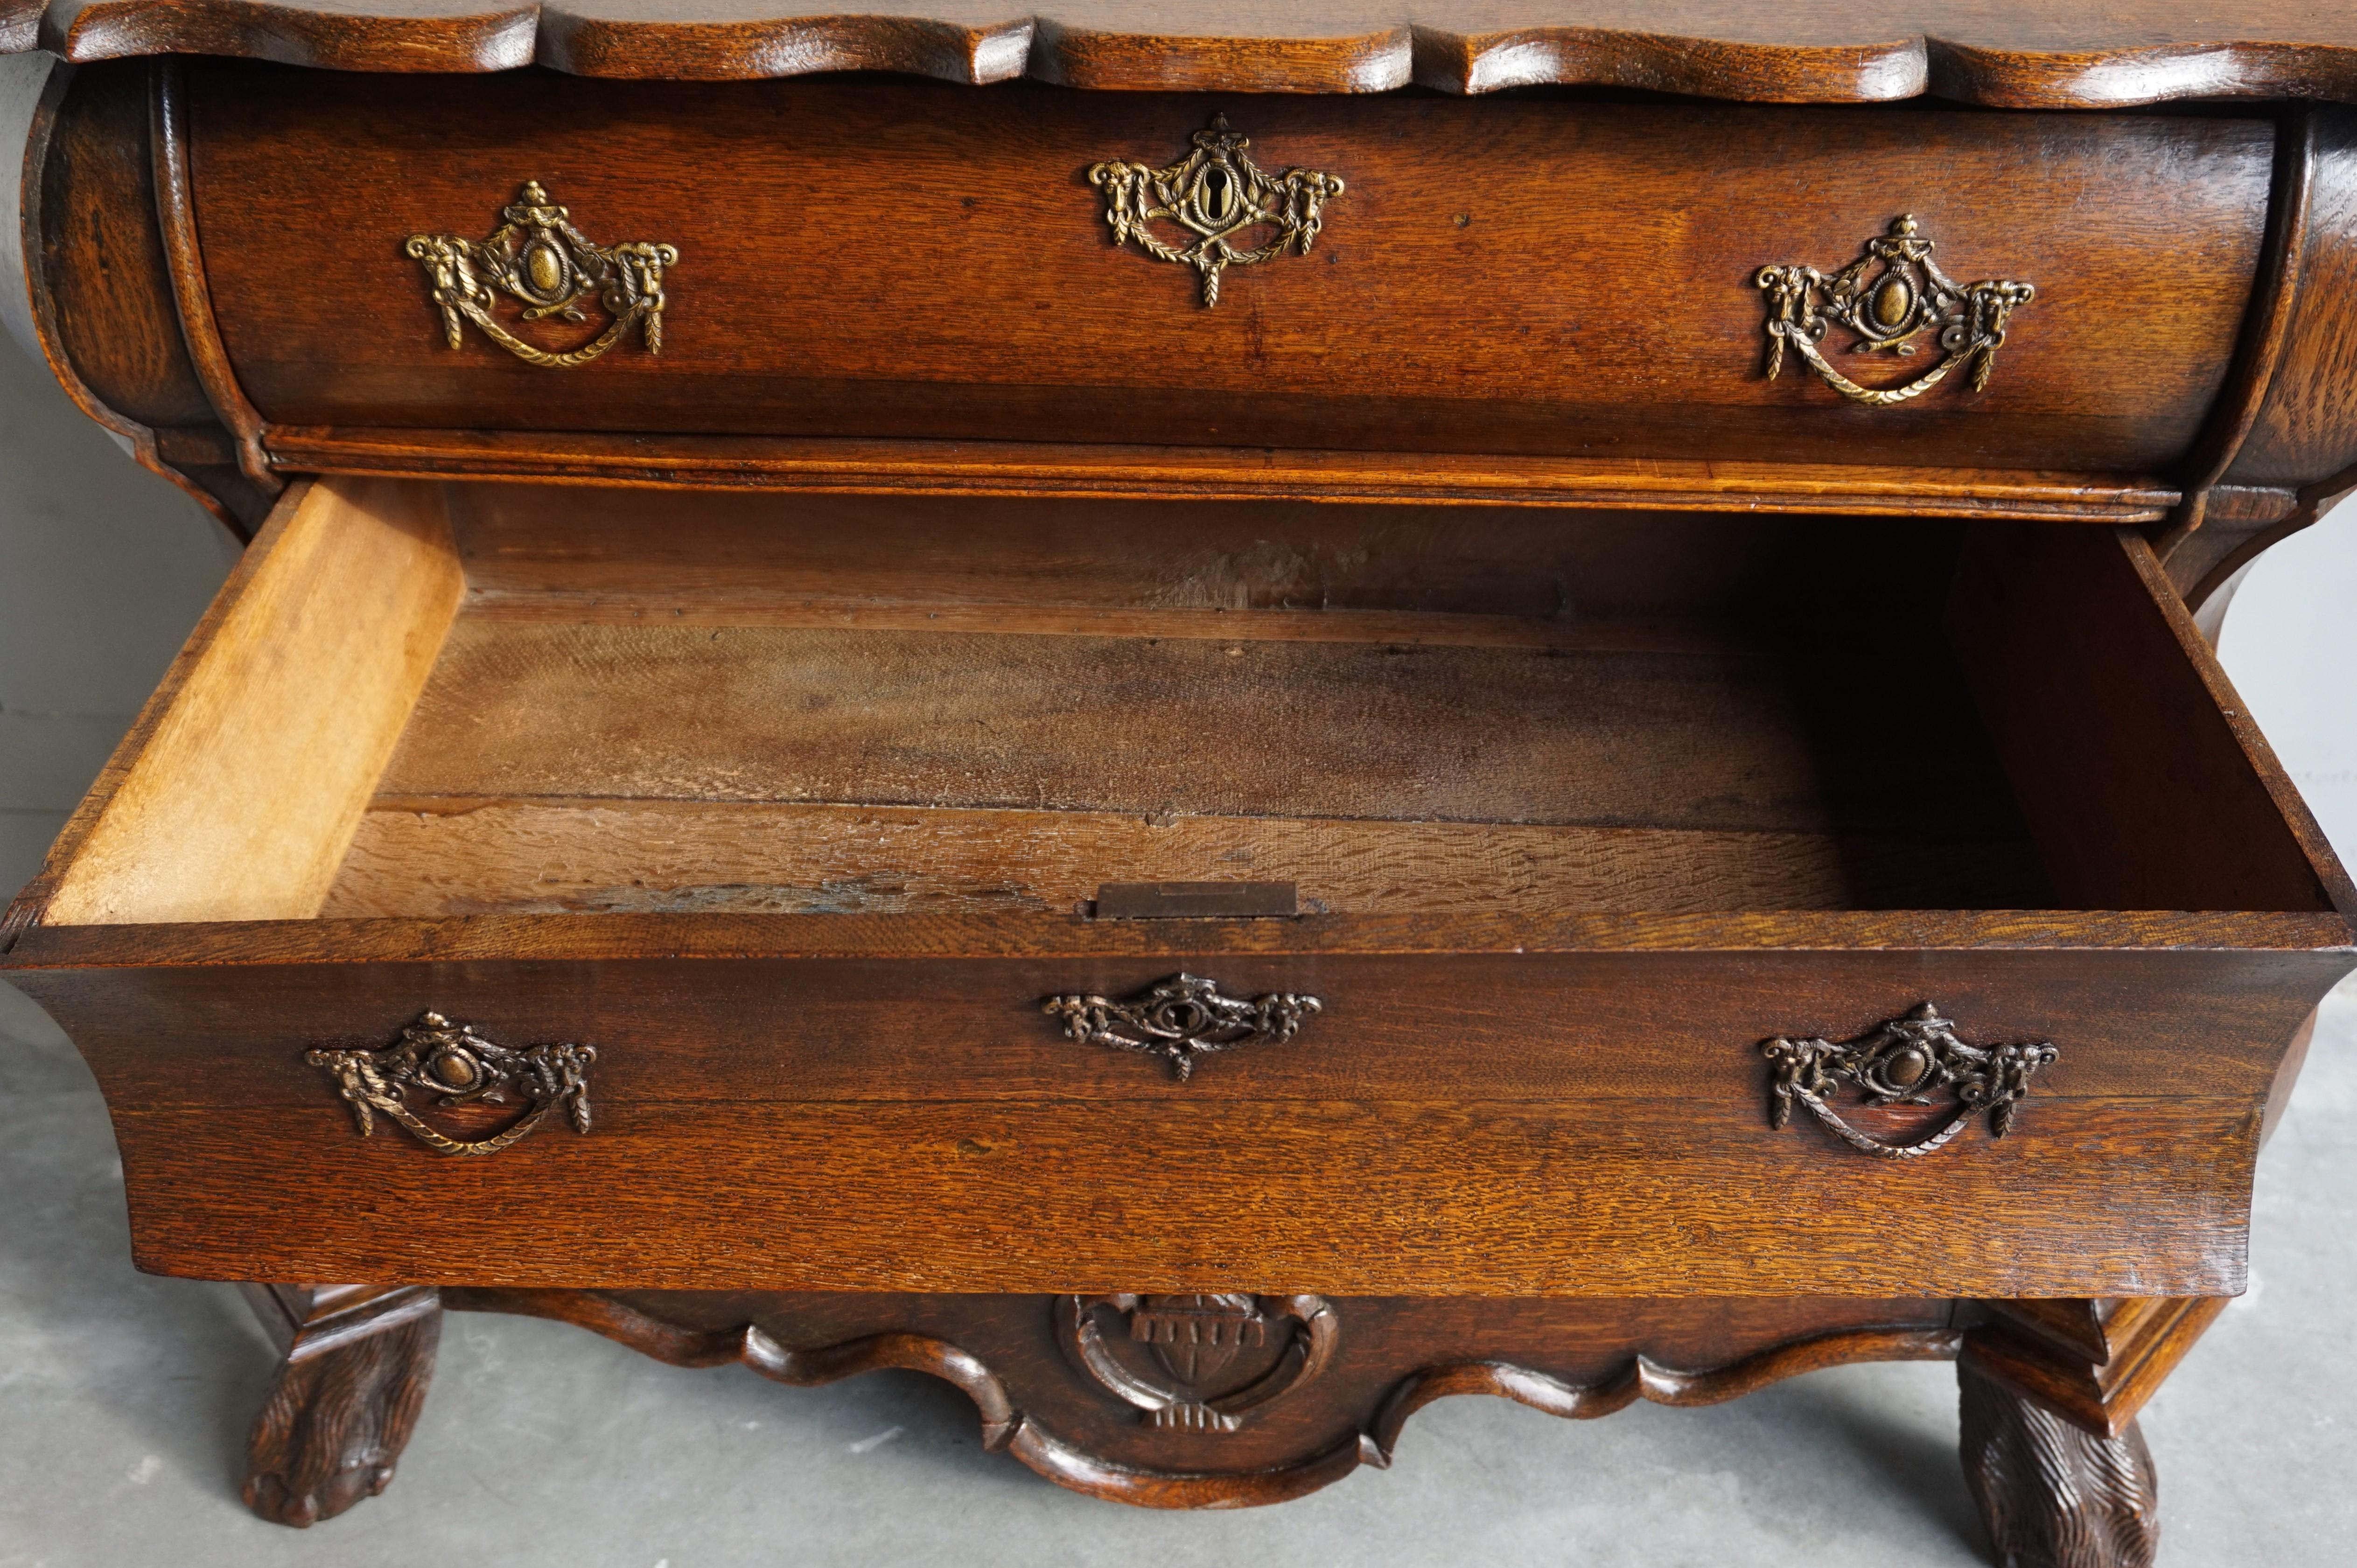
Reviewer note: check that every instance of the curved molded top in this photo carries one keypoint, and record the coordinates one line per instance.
(2011, 53)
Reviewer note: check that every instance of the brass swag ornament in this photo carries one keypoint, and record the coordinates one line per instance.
(437, 1056)
(1180, 1019)
(1902, 1061)
(1218, 194)
(1888, 296)
(1186, 1381)
(539, 257)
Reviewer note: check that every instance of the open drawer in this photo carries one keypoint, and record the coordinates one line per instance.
(1608, 834)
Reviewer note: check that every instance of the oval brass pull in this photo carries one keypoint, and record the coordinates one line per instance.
(1216, 194)
(1902, 1061)
(1180, 1019)
(435, 1057)
(537, 256)
(1888, 296)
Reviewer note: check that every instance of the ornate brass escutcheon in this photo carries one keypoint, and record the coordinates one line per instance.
(1902, 1061)
(537, 256)
(1178, 1360)
(1218, 195)
(1180, 1019)
(1889, 296)
(451, 1061)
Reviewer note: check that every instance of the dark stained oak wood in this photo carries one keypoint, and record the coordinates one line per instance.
(2098, 1370)
(357, 1361)
(976, 1123)
(912, 1047)
(2015, 53)
(2142, 799)
(105, 305)
(949, 562)
(1581, 1198)
(2266, 329)
(1580, 1360)
(168, 156)
(2304, 438)
(2307, 428)
(1495, 576)
(454, 856)
(1526, 277)
(2052, 1495)
(2302, 357)
(1071, 471)
(575, 940)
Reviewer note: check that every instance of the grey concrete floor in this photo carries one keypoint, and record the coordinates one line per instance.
(123, 1402)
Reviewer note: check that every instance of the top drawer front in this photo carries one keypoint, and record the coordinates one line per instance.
(866, 259)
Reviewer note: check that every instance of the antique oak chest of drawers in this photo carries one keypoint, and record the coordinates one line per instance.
(1215, 718)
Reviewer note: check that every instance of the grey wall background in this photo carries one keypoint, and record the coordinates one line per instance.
(103, 568)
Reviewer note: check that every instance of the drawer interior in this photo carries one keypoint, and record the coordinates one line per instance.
(431, 700)
(791, 809)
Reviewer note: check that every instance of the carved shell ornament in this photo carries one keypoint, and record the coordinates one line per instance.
(1893, 294)
(1202, 1362)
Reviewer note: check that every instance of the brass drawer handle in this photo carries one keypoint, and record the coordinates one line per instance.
(1901, 1061)
(539, 257)
(1887, 306)
(1180, 1019)
(1217, 194)
(437, 1056)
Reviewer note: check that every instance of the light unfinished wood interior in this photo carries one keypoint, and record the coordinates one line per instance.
(238, 791)
(649, 701)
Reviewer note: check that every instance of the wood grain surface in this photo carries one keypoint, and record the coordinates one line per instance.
(103, 294)
(445, 855)
(2100, 1387)
(1077, 692)
(1603, 1128)
(2166, 779)
(1520, 278)
(1497, 1097)
(2051, 1492)
(1444, 1197)
(1076, 470)
(2299, 448)
(602, 552)
(569, 938)
(2308, 428)
(1169, 727)
(2008, 52)
(248, 783)
(706, 1036)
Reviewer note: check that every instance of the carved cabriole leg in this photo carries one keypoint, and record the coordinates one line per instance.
(2051, 1390)
(358, 1358)
(2052, 1494)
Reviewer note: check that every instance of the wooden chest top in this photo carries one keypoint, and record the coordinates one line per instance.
(2012, 53)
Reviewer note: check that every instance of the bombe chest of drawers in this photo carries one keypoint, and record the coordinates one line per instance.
(1214, 717)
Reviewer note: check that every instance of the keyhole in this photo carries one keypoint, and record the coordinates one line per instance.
(1219, 194)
